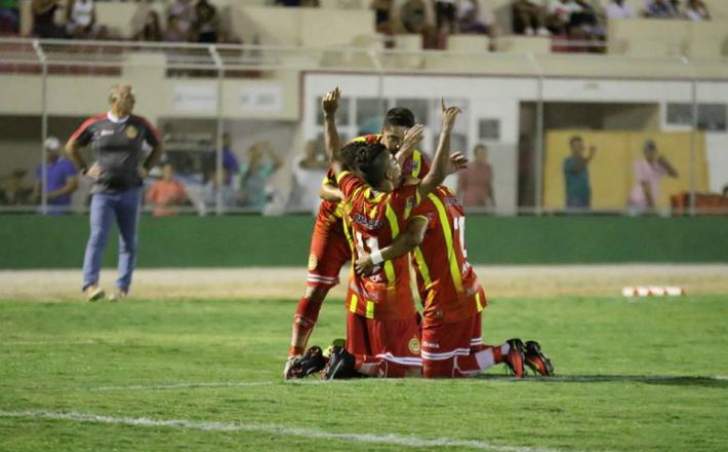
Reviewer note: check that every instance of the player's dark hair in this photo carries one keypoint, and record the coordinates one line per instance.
(574, 139)
(371, 160)
(399, 117)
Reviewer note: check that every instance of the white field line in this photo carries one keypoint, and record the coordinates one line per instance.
(390, 439)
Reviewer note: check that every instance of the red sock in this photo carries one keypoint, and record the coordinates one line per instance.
(304, 320)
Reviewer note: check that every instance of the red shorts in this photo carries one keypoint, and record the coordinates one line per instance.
(329, 252)
(443, 342)
(393, 344)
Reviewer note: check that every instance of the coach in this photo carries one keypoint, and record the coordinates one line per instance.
(117, 139)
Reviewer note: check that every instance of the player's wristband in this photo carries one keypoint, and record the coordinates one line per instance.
(376, 257)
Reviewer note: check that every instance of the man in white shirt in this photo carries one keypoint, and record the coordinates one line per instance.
(617, 9)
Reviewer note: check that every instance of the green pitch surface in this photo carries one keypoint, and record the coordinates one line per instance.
(205, 375)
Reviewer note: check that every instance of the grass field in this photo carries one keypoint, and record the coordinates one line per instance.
(205, 375)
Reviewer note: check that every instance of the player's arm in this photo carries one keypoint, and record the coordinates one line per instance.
(329, 192)
(439, 170)
(332, 143)
(411, 238)
(412, 137)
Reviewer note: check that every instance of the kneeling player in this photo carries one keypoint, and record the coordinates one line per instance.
(453, 298)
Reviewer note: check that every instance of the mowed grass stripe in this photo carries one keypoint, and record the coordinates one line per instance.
(271, 429)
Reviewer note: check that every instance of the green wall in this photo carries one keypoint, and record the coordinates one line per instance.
(30, 241)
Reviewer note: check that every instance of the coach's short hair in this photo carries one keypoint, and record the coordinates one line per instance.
(114, 91)
(399, 117)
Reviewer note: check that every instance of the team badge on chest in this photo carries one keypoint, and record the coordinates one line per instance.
(131, 132)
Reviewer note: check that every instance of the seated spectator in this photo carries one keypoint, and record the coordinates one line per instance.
(660, 9)
(475, 183)
(44, 25)
(229, 159)
(445, 13)
(472, 18)
(61, 179)
(180, 20)
(618, 9)
(13, 190)
(308, 173)
(262, 163)
(9, 17)
(167, 193)
(382, 15)
(150, 30)
(529, 18)
(417, 17)
(207, 22)
(696, 11)
(81, 20)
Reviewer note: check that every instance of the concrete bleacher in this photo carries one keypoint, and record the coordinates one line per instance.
(667, 38)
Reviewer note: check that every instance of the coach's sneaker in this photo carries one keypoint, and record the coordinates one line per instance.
(340, 365)
(94, 293)
(311, 361)
(537, 360)
(515, 357)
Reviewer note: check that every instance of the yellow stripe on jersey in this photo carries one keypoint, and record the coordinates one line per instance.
(457, 278)
(478, 302)
(394, 227)
(341, 176)
(370, 309)
(422, 265)
(416, 163)
(353, 303)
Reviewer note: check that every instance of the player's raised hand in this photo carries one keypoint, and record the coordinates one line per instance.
(449, 114)
(458, 162)
(412, 137)
(330, 102)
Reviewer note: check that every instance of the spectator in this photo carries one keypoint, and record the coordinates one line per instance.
(647, 174)
(150, 30)
(475, 183)
(166, 193)
(472, 18)
(207, 22)
(229, 160)
(382, 15)
(660, 9)
(44, 25)
(697, 11)
(445, 13)
(416, 17)
(14, 191)
(262, 163)
(308, 173)
(61, 179)
(529, 18)
(229, 196)
(576, 175)
(9, 17)
(180, 20)
(296, 3)
(618, 9)
(81, 20)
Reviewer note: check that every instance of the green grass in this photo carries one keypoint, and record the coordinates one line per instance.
(632, 376)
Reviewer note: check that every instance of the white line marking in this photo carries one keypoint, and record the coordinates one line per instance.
(270, 429)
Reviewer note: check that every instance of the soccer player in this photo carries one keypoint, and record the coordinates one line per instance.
(453, 298)
(382, 326)
(330, 249)
(117, 139)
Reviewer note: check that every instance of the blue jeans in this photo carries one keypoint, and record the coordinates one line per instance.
(124, 206)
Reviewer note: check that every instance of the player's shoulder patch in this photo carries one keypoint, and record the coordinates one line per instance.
(414, 346)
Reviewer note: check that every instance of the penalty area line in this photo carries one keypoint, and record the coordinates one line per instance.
(269, 429)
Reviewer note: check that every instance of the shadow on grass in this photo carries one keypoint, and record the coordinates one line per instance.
(668, 380)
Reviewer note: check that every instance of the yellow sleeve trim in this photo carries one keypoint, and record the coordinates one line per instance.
(341, 175)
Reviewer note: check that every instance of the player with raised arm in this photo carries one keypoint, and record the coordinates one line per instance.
(382, 323)
(453, 298)
(330, 249)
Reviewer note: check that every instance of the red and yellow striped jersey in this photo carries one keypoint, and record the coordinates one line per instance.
(448, 286)
(417, 165)
(374, 220)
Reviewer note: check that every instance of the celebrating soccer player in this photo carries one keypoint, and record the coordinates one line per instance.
(117, 138)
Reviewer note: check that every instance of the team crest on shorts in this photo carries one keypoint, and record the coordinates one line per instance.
(131, 132)
(312, 262)
(414, 346)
